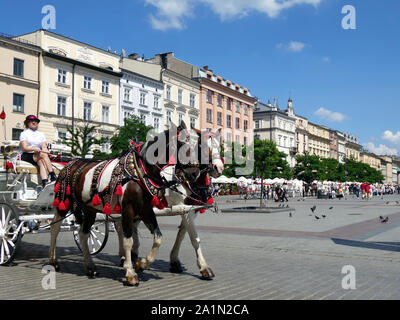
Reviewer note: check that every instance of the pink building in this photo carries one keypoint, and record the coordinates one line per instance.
(226, 105)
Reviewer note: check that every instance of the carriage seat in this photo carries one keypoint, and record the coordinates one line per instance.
(30, 168)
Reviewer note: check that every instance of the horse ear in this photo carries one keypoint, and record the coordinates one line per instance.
(182, 126)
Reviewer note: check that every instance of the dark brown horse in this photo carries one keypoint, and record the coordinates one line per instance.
(129, 185)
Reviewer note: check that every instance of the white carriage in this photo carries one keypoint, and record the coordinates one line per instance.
(23, 203)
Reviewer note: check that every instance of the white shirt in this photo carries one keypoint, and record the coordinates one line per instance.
(34, 139)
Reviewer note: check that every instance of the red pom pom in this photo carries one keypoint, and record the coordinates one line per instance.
(117, 209)
(207, 180)
(62, 206)
(68, 193)
(9, 165)
(118, 191)
(155, 202)
(57, 187)
(164, 202)
(66, 202)
(107, 209)
(202, 211)
(56, 202)
(210, 200)
(96, 201)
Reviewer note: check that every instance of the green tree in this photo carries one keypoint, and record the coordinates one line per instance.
(307, 168)
(133, 128)
(331, 170)
(81, 139)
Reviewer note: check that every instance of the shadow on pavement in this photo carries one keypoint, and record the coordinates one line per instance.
(387, 246)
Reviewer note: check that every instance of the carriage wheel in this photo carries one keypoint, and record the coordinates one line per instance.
(10, 237)
(98, 237)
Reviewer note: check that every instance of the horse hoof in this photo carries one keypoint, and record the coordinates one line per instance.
(139, 266)
(92, 274)
(132, 281)
(207, 274)
(175, 267)
(55, 265)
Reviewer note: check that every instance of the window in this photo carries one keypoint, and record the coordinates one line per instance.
(192, 122)
(237, 123)
(62, 106)
(257, 124)
(229, 137)
(209, 96)
(219, 100)
(87, 83)
(18, 67)
(219, 118)
(192, 100)
(105, 88)
(228, 103)
(238, 106)
(209, 115)
(245, 141)
(143, 118)
(180, 92)
(18, 102)
(16, 133)
(246, 109)
(62, 136)
(228, 121)
(180, 118)
(127, 94)
(62, 76)
(87, 111)
(142, 98)
(245, 125)
(237, 138)
(156, 123)
(156, 99)
(168, 118)
(105, 114)
(279, 140)
(169, 92)
(128, 112)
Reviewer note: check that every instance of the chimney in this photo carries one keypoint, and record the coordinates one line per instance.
(133, 56)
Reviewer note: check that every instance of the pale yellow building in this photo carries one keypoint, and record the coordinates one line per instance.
(371, 159)
(181, 92)
(318, 140)
(302, 140)
(78, 83)
(353, 149)
(387, 169)
(19, 86)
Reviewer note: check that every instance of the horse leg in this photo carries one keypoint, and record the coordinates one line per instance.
(175, 265)
(136, 242)
(89, 219)
(121, 251)
(54, 231)
(132, 278)
(152, 225)
(188, 223)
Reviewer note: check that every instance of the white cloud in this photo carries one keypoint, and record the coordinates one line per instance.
(296, 46)
(393, 138)
(380, 150)
(171, 13)
(329, 115)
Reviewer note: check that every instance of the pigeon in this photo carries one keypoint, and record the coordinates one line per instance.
(387, 202)
(397, 202)
(313, 208)
(290, 214)
(385, 220)
(316, 217)
(330, 208)
(323, 216)
(298, 200)
(287, 206)
(380, 217)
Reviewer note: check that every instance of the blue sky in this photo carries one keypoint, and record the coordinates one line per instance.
(344, 79)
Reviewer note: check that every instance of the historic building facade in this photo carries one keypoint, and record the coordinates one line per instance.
(319, 141)
(371, 159)
(301, 135)
(352, 147)
(227, 106)
(141, 92)
(271, 123)
(181, 91)
(79, 84)
(19, 86)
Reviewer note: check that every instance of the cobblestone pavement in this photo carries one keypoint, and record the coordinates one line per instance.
(254, 256)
